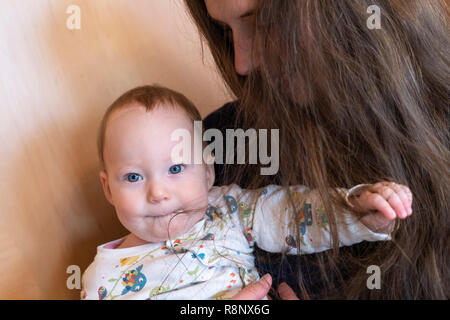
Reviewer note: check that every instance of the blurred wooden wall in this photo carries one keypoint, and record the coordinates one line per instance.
(55, 84)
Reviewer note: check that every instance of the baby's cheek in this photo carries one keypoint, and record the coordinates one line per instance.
(127, 207)
(184, 222)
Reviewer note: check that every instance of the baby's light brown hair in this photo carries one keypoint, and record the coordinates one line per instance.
(149, 97)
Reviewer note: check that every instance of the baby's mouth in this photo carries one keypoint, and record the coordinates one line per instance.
(166, 214)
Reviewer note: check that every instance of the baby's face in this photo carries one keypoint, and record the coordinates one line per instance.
(141, 181)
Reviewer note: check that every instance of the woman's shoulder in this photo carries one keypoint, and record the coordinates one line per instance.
(221, 118)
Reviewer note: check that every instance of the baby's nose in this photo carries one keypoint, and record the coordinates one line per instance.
(157, 193)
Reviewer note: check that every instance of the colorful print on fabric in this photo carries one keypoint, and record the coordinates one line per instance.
(102, 292)
(323, 220)
(305, 218)
(213, 213)
(290, 241)
(209, 236)
(248, 235)
(158, 290)
(128, 261)
(231, 204)
(232, 281)
(244, 210)
(221, 295)
(176, 247)
(199, 255)
(134, 280)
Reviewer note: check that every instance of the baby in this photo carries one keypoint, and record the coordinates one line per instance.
(192, 240)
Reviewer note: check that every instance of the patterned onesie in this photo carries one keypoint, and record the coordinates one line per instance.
(214, 260)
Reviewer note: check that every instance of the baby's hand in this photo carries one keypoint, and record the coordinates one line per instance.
(386, 201)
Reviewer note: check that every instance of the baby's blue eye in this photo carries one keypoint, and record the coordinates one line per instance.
(133, 177)
(176, 168)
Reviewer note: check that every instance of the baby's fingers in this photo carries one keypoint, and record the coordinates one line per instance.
(402, 192)
(409, 199)
(394, 200)
(378, 203)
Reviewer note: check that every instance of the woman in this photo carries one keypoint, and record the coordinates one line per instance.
(354, 105)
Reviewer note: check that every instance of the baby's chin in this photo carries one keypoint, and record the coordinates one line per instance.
(159, 229)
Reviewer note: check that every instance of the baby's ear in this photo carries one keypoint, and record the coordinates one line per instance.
(210, 173)
(105, 185)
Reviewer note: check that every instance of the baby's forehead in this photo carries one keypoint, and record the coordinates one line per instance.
(135, 128)
(162, 115)
(162, 126)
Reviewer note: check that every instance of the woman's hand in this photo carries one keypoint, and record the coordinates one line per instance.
(255, 291)
(286, 293)
(387, 201)
(259, 289)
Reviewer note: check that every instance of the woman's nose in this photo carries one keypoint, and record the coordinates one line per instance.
(157, 193)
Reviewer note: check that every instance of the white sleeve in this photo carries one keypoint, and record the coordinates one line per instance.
(272, 225)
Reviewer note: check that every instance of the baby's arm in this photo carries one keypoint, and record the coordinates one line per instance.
(273, 227)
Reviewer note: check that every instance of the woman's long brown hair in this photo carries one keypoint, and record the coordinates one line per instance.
(355, 105)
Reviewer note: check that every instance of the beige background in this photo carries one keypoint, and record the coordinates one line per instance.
(55, 84)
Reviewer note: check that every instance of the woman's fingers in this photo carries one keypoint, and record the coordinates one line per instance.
(259, 289)
(255, 291)
(286, 292)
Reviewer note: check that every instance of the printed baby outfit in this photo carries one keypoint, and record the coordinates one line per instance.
(214, 260)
